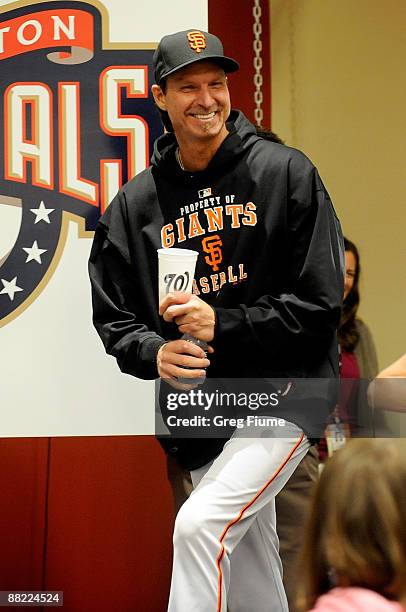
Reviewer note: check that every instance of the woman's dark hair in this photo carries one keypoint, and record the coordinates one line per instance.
(348, 334)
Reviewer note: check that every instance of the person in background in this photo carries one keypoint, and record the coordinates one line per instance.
(358, 361)
(358, 353)
(388, 390)
(354, 557)
(291, 503)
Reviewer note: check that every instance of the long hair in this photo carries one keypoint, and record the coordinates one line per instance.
(164, 115)
(356, 532)
(348, 334)
(268, 134)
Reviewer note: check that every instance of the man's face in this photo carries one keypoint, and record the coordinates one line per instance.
(197, 101)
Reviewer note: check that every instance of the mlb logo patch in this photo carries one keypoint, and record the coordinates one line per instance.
(204, 193)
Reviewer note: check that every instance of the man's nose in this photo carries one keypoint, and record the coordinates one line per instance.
(205, 98)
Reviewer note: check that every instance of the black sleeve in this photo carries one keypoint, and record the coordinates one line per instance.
(116, 317)
(309, 308)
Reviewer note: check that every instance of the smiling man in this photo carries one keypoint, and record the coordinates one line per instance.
(267, 298)
(198, 102)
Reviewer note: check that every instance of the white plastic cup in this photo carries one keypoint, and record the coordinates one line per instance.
(176, 270)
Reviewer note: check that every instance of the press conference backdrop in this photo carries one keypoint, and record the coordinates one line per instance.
(78, 122)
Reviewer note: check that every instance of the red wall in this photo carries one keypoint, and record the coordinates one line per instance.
(23, 486)
(232, 21)
(88, 516)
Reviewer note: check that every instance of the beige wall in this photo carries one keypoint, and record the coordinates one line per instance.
(339, 94)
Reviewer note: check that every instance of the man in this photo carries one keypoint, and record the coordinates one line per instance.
(291, 504)
(267, 298)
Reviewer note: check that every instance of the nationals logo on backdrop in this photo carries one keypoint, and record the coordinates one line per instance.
(78, 121)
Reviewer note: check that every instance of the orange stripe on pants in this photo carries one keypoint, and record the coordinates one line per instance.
(241, 514)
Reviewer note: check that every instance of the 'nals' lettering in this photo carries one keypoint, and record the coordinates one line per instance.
(28, 119)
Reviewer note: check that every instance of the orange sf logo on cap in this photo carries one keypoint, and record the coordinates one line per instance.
(197, 40)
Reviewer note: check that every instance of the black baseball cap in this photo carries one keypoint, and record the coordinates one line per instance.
(176, 51)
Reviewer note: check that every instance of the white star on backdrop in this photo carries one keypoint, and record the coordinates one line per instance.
(41, 213)
(34, 253)
(10, 287)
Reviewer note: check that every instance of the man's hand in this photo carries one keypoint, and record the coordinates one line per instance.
(190, 313)
(175, 357)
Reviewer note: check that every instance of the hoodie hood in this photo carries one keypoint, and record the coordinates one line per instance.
(241, 137)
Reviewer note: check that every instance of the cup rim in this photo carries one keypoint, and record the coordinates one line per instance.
(175, 252)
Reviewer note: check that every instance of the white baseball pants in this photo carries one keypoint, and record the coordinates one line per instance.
(226, 550)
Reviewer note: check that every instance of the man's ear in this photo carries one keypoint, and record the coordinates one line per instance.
(159, 97)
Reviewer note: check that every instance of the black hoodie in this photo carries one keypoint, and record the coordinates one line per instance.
(271, 259)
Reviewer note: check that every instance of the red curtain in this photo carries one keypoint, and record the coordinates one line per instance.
(233, 22)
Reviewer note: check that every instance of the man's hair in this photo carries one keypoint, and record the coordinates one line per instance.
(164, 115)
(268, 134)
(356, 532)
